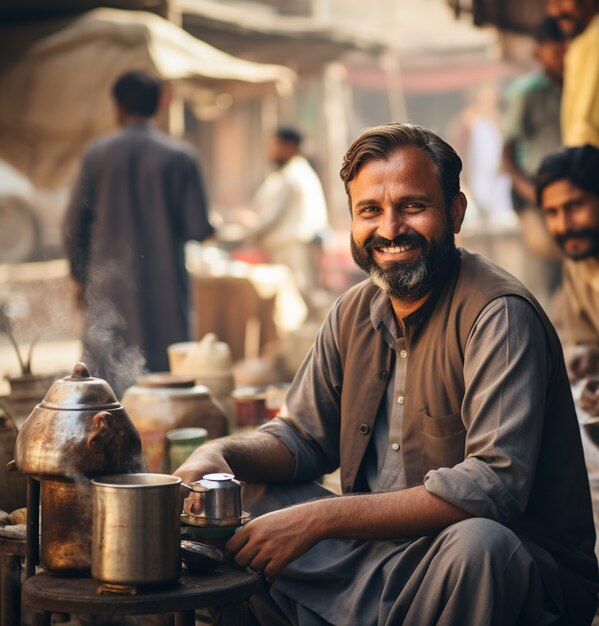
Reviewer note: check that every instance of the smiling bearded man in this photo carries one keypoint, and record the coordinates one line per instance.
(438, 388)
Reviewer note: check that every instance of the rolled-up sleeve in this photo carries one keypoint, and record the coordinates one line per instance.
(309, 421)
(506, 373)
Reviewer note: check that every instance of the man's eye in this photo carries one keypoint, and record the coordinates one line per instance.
(414, 206)
(368, 209)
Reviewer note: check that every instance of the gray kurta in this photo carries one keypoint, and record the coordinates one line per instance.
(139, 197)
(453, 578)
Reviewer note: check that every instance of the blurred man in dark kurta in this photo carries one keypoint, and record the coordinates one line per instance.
(138, 198)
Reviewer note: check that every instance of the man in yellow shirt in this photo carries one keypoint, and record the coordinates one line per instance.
(579, 20)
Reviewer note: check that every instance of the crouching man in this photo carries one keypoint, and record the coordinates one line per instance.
(438, 387)
(568, 192)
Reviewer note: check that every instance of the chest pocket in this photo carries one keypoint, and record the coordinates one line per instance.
(443, 440)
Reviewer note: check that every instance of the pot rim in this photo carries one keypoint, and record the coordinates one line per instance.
(147, 480)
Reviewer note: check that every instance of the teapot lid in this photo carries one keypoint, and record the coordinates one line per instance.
(79, 391)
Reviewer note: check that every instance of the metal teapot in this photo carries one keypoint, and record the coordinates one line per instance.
(78, 428)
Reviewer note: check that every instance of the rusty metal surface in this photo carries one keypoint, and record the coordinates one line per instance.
(66, 525)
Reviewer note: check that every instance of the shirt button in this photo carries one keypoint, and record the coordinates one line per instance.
(400, 399)
(384, 375)
(403, 354)
(364, 429)
(395, 446)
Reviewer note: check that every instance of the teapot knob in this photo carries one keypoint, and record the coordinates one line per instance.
(80, 371)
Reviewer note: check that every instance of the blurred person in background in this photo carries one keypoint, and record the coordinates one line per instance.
(138, 198)
(531, 129)
(288, 214)
(438, 387)
(476, 132)
(568, 192)
(579, 22)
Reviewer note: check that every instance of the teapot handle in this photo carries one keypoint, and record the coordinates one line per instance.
(101, 432)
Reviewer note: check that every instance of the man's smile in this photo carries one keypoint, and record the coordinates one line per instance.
(406, 251)
(396, 249)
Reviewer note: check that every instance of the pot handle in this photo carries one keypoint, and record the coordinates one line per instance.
(102, 432)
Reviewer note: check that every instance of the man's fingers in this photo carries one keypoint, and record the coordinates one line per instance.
(237, 541)
(247, 555)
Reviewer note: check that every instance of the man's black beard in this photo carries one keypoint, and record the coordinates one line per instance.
(407, 280)
(581, 233)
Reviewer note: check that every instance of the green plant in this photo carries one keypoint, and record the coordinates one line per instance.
(6, 328)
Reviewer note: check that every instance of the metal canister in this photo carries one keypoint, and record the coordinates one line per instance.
(136, 531)
(182, 442)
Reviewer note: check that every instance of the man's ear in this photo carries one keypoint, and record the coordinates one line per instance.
(457, 211)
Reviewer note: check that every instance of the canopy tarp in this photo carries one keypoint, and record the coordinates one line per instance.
(56, 92)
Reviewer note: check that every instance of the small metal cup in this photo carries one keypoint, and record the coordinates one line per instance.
(215, 497)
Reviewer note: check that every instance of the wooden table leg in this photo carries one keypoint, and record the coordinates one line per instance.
(185, 618)
(10, 593)
(233, 614)
(33, 526)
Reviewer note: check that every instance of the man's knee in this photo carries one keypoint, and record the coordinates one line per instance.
(482, 545)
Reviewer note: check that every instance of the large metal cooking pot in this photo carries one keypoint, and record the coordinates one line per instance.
(136, 529)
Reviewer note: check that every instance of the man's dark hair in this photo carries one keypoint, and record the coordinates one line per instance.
(548, 30)
(381, 142)
(138, 93)
(289, 134)
(579, 165)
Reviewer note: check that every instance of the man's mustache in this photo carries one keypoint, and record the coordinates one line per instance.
(411, 238)
(581, 233)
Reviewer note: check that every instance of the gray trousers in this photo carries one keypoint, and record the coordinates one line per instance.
(473, 573)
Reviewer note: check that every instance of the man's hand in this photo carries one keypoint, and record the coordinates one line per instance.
(255, 457)
(206, 459)
(269, 542)
(583, 362)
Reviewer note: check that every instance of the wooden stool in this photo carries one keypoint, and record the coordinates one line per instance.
(46, 594)
(12, 551)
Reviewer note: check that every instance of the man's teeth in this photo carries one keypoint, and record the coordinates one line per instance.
(397, 249)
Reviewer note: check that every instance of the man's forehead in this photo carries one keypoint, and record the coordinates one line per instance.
(561, 190)
(562, 5)
(400, 159)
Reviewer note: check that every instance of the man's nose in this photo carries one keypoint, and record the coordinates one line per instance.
(392, 224)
